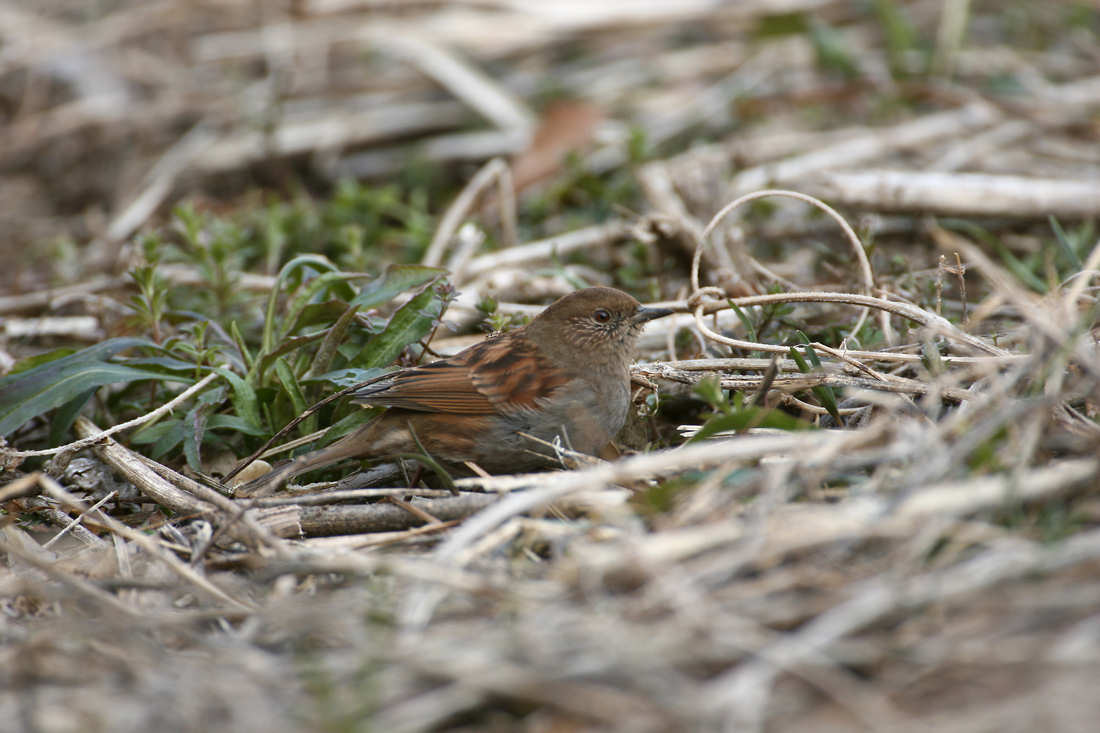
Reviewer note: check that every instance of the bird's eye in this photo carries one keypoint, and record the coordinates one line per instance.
(601, 315)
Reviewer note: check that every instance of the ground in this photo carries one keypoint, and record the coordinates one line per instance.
(858, 488)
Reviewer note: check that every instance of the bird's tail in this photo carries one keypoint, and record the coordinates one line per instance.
(352, 445)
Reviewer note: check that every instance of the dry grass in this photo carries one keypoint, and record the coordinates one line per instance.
(932, 563)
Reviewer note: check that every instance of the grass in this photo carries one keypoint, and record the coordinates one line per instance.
(859, 535)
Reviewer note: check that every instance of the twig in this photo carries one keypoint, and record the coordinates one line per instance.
(741, 689)
(926, 318)
(544, 249)
(462, 79)
(798, 382)
(375, 539)
(234, 512)
(414, 510)
(551, 487)
(134, 470)
(860, 151)
(495, 170)
(78, 519)
(158, 183)
(44, 298)
(382, 517)
(147, 543)
(332, 131)
(336, 497)
(853, 240)
(957, 194)
(81, 586)
(76, 327)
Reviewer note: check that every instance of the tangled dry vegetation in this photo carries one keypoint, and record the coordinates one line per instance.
(859, 487)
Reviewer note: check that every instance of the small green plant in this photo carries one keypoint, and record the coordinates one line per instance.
(824, 393)
(833, 51)
(908, 53)
(733, 415)
(319, 328)
(1049, 264)
(495, 321)
(150, 304)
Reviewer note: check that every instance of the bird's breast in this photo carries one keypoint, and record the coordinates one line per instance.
(590, 411)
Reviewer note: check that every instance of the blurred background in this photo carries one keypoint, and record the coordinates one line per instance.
(111, 112)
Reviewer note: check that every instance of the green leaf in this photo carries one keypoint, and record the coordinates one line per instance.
(150, 433)
(244, 397)
(412, 322)
(709, 389)
(325, 312)
(194, 430)
(750, 330)
(320, 263)
(238, 339)
(798, 360)
(61, 381)
(260, 366)
(323, 359)
(65, 416)
(824, 393)
(1066, 245)
(167, 363)
(347, 377)
(164, 436)
(169, 433)
(317, 262)
(749, 417)
(1019, 269)
(25, 365)
(810, 349)
(308, 292)
(213, 396)
(396, 279)
(232, 422)
(297, 399)
(827, 397)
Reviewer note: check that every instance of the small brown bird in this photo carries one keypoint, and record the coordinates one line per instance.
(565, 375)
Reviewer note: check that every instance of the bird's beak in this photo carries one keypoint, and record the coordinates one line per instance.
(648, 314)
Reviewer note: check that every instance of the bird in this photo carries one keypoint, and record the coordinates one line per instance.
(503, 402)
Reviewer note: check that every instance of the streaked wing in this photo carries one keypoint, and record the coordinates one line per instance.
(442, 386)
(513, 374)
(497, 375)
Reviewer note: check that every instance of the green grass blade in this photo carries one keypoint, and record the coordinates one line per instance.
(410, 323)
(243, 398)
(1066, 245)
(62, 381)
(395, 280)
(305, 296)
(294, 392)
(1022, 272)
(750, 330)
(327, 350)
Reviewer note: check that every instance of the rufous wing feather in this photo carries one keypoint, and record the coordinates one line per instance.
(495, 376)
(514, 375)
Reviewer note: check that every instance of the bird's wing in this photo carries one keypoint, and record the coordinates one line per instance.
(497, 375)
